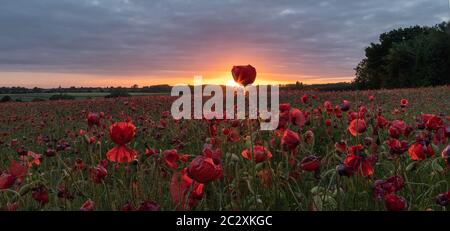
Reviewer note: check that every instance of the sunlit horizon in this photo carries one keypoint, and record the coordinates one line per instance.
(54, 80)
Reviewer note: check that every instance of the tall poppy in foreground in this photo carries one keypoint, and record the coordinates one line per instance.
(358, 162)
(121, 134)
(244, 75)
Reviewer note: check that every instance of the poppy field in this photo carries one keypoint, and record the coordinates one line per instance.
(350, 150)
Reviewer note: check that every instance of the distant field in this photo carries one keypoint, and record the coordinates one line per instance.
(79, 95)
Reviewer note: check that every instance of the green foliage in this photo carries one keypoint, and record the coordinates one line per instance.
(61, 97)
(118, 92)
(409, 57)
(6, 98)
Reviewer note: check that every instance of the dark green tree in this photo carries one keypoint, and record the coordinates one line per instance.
(407, 57)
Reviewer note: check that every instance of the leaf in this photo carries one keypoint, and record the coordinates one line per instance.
(436, 166)
(411, 166)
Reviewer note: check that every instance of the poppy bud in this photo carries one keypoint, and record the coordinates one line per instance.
(50, 152)
(343, 170)
(93, 119)
(443, 199)
(309, 137)
(244, 75)
(98, 174)
(345, 105)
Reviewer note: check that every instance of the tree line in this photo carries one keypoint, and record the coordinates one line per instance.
(417, 56)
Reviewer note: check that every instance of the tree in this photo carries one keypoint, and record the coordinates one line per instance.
(409, 57)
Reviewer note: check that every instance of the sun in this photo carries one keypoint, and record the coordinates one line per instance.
(231, 83)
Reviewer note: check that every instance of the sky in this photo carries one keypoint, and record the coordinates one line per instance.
(50, 43)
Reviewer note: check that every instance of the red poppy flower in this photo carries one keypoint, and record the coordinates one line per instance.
(93, 119)
(310, 163)
(88, 205)
(393, 202)
(15, 174)
(151, 151)
(6, 180)
(419, 151)
(341, 146)
(432, 122)
(290, 139)
(397, 128)
(98, 174)
(244, 75)
(180, 185)
(371, 98)
(305, 99)
(403, 102)
(284, 119)
(121, 154)
(328, 106)
(122, 132)
(17, 170)
(397, 147)
(204, 169)
(381, 122)
(357, 161)
(297, 117)
(171, 157)
(285, 107)
(388, 186)
(40, 194)
(328, 122)
(357, 127)
(261, 153)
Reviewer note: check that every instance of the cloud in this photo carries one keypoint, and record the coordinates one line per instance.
(139, 37)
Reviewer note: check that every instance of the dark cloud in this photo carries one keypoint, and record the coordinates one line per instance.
(136, 37)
